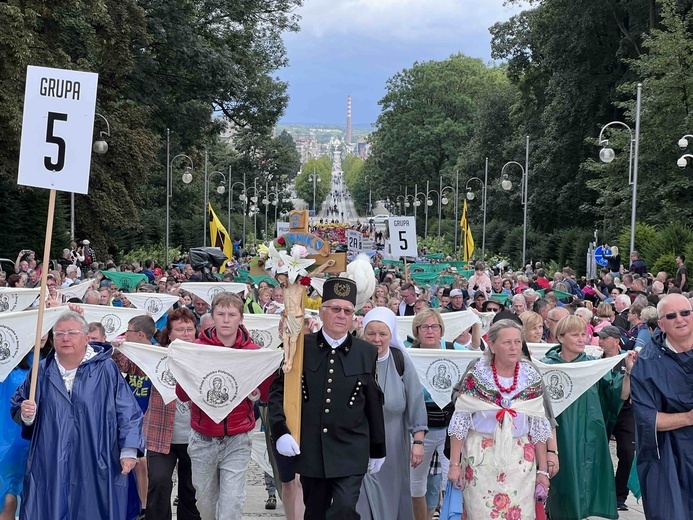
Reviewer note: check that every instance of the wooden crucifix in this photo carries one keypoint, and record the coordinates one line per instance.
(294, 312)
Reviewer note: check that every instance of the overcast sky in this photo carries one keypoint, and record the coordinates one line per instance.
(353, 47)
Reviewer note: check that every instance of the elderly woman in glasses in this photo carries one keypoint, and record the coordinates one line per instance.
(428, 329)
(585, 485)
(386, 494)
(500, 418)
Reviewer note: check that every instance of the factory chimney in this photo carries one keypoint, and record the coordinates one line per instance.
(348, 129)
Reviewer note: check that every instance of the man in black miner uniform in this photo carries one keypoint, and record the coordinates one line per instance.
(342, 426)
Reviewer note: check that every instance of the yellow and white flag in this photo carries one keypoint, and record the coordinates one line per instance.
(217, 379)
(467, 238)
(219, 237)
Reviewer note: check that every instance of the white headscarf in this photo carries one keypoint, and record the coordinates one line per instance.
(386, 316)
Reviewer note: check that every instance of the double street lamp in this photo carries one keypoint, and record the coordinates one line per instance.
(607, 155)
(507, 185)
(315, 178)
(186, 178)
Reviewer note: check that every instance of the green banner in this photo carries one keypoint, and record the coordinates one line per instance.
(126, 281)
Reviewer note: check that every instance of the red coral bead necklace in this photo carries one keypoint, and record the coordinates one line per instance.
(501, 387)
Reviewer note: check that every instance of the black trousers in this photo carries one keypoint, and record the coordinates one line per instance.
(624, 432)
(331, 498)
(160, 467)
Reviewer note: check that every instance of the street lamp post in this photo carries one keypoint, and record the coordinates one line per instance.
(470, 197)
(442, 201)
(187, 179)
(221, 189)
(606, 155)
(315, 178)
(507, 186)
(100, 147)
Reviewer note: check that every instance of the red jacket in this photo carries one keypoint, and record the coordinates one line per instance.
(242, 418)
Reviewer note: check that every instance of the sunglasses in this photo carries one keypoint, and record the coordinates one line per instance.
(336, 309)
(672, 315)
(492, 309)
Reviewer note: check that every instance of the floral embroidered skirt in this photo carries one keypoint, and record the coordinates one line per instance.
(492, 493)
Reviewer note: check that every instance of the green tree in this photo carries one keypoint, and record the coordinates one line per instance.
(322, 168)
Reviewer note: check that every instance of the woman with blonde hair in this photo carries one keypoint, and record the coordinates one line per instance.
(532, 327)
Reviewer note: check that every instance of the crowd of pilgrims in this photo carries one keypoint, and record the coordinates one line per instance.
(428, 448)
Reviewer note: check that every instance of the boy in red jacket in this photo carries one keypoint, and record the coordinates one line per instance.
(220, 453)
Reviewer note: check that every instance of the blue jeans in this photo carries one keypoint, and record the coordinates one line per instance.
(219, 465)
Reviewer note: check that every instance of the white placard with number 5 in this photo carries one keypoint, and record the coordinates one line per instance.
(403, 236)
(57, 129)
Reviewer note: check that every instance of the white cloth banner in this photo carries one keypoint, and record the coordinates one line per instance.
(455, 323)
(153, 361)
(114, 319)
(565, 382)
(440, 370)
(18, 334)
(264, 329)
(259, 453)
(217, 379)
(539, 350)
(78, 290)
(15, 299)
(208, 290)
(156, 304)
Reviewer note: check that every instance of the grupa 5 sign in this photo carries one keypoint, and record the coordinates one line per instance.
(57, 129)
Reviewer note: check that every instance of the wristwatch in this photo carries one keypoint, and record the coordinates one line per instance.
(418, 442)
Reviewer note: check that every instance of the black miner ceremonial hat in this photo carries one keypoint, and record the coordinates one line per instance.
(339, 289)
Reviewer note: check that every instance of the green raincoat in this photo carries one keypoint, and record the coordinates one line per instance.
(584, 485)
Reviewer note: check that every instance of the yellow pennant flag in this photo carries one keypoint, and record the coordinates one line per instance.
(219, 237)
(467, 238)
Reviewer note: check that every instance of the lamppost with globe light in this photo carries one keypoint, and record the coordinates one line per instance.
(507, 185)
(470, 197)
(221, 189)
(607, 155)
(315, 178)
(682, 162)
(99, 147)
(186, 178)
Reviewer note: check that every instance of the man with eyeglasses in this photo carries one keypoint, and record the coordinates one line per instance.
(342, 425)
(552, 319)
(662, 398)
(406, 306)
(86, 431)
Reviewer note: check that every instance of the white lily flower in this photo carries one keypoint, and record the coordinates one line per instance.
(294, 265)
(273, 260)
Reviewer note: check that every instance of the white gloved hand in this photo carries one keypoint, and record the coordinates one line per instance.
(374, 465)
(286, 445)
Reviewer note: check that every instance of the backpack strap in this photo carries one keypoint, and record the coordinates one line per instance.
(398, 358)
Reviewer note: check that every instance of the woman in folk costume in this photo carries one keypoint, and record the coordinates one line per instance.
(386, 494)
(501, 422)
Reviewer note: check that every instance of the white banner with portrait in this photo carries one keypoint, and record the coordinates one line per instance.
(264, 329)
(15, 299)
(208, 290)
(440, 370)
(455, 323)
(114, 319)
(217, 379)
(155, 304)
(260, 454)
(18, 334)
(76, 290)
(153, 361)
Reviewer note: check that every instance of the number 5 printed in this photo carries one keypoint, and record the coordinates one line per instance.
(54, 139)
(403, 240)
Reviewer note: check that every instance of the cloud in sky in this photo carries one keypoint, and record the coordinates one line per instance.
(354, 46)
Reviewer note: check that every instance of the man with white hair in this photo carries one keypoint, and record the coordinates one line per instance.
(554, 316)
(622, 304)
(530, 296)
(519, 304)
(70, 276)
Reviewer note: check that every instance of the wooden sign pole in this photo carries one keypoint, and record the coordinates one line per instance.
(42, 296)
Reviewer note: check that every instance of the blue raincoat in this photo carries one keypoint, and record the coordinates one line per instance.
(73, 470)
(13, 448)
(662, 381)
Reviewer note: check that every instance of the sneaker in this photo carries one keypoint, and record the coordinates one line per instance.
(621, 506)
(271, 502)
